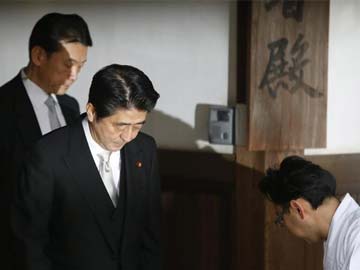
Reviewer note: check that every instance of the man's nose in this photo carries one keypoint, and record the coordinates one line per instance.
(127, 134)
(74, 71)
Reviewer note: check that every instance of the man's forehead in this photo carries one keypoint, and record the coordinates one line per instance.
(130, 113)
(75, 51)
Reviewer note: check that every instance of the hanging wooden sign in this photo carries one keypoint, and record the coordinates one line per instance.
(288, 60)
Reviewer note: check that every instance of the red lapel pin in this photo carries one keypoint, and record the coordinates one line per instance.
(138, 164)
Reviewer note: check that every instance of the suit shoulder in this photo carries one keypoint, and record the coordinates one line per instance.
(52, 141)
(68, 101)
(7, 90)
(143, 142)
(9, 93)
(66, 98)
(145, 138)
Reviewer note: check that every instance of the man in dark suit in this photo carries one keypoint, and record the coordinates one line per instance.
(89, 195)
(57, 51)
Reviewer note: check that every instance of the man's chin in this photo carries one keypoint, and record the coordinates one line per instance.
(311, 241)
(62, 89)
(117, 147)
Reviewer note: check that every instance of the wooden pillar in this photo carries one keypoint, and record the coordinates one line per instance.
(285, 90)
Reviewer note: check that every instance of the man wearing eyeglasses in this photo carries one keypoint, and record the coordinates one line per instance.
(304, 196)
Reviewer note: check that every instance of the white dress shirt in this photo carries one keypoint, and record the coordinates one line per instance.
(96, 149)
(38, 97)
(342, 247)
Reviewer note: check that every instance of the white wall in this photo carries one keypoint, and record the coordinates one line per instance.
(183, 48)
(343, 124)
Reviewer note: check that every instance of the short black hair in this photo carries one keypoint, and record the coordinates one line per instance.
(121, 87)
(55, 27)
(298, 178)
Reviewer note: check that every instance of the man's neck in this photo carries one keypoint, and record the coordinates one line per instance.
(326, 212)
(31, 73)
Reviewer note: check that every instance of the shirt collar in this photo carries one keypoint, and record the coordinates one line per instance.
(95, 148)
(39, 96)
(346, 203)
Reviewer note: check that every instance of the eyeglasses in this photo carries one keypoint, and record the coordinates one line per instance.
(279, 220)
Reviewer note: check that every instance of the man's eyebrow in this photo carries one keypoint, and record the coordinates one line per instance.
(76, 62)
(129, 124)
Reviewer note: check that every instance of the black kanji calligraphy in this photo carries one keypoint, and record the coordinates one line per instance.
(280, 74)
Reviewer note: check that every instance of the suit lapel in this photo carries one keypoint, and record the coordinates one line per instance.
(135, 176)
(27, 123)
(70, 114)
(85, 173)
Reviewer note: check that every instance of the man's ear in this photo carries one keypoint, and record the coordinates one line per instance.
(297, 206)
(38, 55)
(90, 112)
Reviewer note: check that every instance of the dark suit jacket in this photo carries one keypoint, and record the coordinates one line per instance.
(63, 215)
(19, 130)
